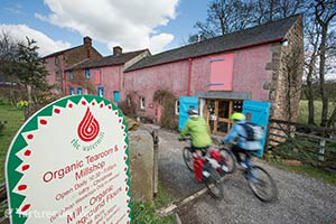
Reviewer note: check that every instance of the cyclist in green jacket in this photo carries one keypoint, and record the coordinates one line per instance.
(197, 127)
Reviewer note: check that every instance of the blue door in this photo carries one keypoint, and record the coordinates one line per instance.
(116, 96)
(186, 102)
(258, 112)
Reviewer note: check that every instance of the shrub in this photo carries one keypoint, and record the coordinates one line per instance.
(167, 100)
(22, 104)
(128, 108)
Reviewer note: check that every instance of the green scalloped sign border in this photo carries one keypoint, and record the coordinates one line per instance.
(19, 143)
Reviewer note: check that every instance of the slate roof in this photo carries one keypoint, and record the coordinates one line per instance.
(61, 52)
(272, 31)
(108, 60)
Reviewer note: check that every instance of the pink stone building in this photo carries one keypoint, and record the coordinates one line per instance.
(224, 71)
(57, 62)
(103, 76)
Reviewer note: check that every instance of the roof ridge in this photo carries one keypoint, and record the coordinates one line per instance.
(270, 31)
(232, 33)
(129, 52)
(62, 51)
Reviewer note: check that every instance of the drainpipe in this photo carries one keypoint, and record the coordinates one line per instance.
(65, 92)
(189, 76)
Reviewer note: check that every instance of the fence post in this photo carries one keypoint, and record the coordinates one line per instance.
(322, 149)
(156, 161)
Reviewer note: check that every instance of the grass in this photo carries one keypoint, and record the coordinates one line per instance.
(145, 213)
(303, 111)
(321, 175)
(14, 119)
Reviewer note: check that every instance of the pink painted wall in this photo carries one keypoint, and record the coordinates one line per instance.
(249, 76)
(249, 71)
(51, 68)
(145, 82)
(107, 77)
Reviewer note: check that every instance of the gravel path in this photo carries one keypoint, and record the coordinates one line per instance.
(301, 199)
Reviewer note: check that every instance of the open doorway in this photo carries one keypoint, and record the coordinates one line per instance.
(217, 113)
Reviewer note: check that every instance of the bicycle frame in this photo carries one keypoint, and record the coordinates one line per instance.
(211, 156)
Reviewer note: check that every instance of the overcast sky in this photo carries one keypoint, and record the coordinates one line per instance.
(133, 24)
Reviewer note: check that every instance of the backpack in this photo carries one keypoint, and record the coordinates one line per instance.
(253, 131)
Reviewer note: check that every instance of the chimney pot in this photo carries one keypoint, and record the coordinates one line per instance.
(87, 41)
(117, 50)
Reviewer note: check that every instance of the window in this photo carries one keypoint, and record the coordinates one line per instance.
(129, 102)
(71, 75)
(79, 90)
(177, 107)
(100, 91)
(238, 106)
(57, 61)
(87, 73)
(71, 90)
(142, 102)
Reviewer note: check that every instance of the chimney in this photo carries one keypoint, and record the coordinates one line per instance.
(87, 41)
(117, 51)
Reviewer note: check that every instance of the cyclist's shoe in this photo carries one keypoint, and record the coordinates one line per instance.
(225, 168)
(243, 164)
(205, 174)
(250, 176)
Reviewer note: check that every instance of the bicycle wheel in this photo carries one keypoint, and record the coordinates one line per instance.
(188, 158)
(228, 160)
(214, 183)
(261, 183)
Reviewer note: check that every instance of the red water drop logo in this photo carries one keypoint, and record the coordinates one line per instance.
(88, 128)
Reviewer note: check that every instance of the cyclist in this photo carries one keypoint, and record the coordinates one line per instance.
(238, 136)
(197, 127)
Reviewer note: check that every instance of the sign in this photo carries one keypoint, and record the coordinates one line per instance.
(68, 164)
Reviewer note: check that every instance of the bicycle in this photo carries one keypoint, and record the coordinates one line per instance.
(259, 180)
(209, 166)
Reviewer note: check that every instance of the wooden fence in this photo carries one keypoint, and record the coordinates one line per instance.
(308, 143)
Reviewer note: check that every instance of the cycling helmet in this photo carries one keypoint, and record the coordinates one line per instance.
(192, 112)
(238, 116)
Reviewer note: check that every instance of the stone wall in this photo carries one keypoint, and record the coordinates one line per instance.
(287, 71)
(287, 67)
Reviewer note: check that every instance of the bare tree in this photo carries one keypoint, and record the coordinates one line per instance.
(269, 10)
(325, 12)
(312, 38)
(225, 16)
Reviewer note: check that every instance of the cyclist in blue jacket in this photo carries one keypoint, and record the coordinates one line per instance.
(238, 136)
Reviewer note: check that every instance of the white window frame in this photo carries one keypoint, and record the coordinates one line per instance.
(142, 102)
(177, 107)
(129, 102)
(87, 73)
